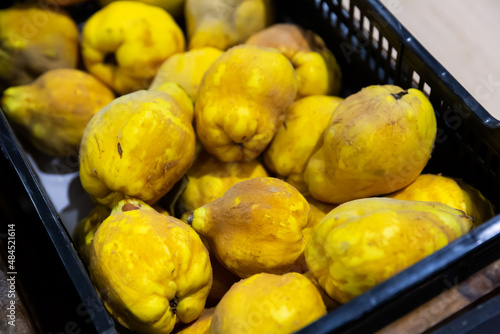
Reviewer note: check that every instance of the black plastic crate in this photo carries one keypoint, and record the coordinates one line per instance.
(372, 48)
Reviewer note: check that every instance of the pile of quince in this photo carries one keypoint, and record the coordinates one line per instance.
(283, 199)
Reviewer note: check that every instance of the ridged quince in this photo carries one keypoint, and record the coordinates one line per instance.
(151, 270)
(450, 191)
(224, 23)
(241, 102)
(317, 69)
(35, 39)
(291, 148)
(173, 7)
(362, 243)
(377, 141)
(138, 146)
(124, 44)
(54, 109)
(209, 178)
(256, 226)
(186, 69)
(267, 303)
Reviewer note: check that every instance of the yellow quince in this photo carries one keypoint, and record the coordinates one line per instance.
(377, 141)
(124, 44)
(35, 39)
(241, 102)
(317, 69)
(209, 178)
(186, 69)
(173, 7)
(450, 191)
(267, 303)
(54, 109)
(138, 146)
(151, 270)
(224, 23)
(362, 243)
(291, 148)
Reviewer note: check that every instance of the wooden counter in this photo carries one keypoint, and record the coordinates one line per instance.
(464, 36)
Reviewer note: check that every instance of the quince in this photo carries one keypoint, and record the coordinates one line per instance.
(377, 141)
(34, 40)
(256, 226)
(138, 146)
(151, 270)
(209, 178)
(185, 103)
(241, 102)
(362, 243)
(124, 44)
(173, 7)
(54, 109)
(86, 228)
(267, 303)
(186, 69)
(317, 69)
(201, 325)
(224, 23)
(291, 148)
(453, 192)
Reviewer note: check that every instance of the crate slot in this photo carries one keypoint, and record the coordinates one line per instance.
(415, 79)
(356, 17)
(427, 89)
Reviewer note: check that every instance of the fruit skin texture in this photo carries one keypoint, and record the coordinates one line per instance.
(453, 192)
(317, 69)
(138, 146)
(29, 48)
(377, 141)
(186, 69)
(54, 109)
(267, 303)
(86, 228)
(291, 148)
(124, 44)
(241, 102)
(362, 243)
(179, 94)
(257, 226)
(151, 270)
(173, 7)
(209, 178)
(224, 23)
(201, 325)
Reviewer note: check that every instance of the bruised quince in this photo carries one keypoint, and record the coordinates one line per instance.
(256, 226)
